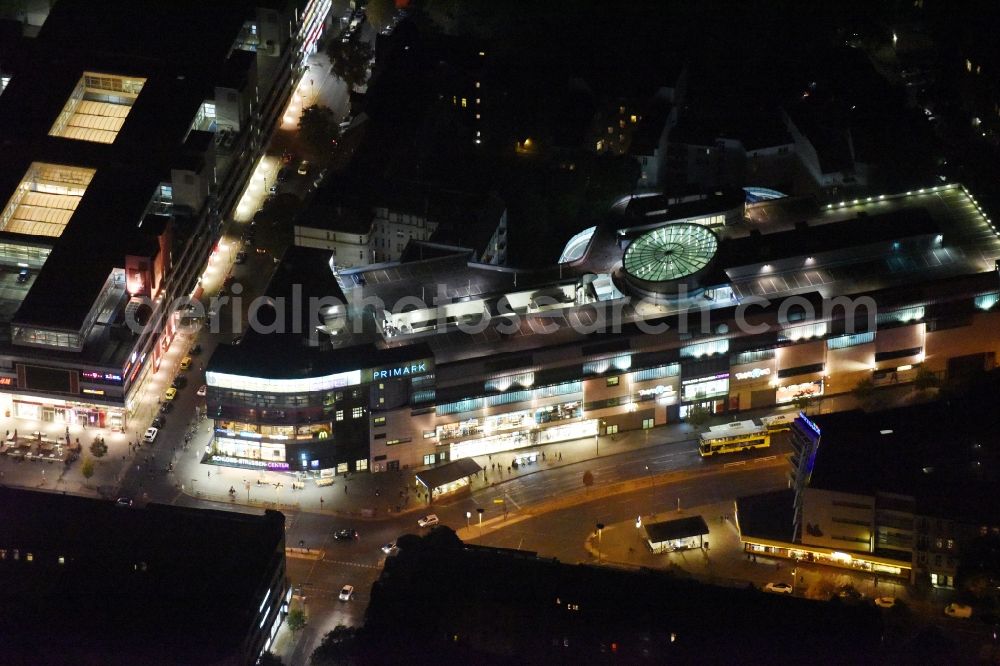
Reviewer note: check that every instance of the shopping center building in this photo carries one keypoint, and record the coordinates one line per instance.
(637, 325)
(127, 132)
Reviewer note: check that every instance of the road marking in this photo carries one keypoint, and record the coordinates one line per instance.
(352, 564)
(734, 464)
(510, 499)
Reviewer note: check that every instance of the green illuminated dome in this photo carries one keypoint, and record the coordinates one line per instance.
(661, 260)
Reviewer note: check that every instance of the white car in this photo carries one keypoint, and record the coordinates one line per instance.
(202, 390)
(346, 593)
(958, 610)
(428, 520)
(779, 588)
(390, 548)
(150, 435)
(885, 602)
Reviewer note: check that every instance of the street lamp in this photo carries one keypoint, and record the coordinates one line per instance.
(480, 511)
(600, 531)
(468, 516)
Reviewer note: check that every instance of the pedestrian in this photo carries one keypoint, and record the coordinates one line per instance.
(345, 488)
(508, 469)
(560, 456)
(543, 456)
(210, 474)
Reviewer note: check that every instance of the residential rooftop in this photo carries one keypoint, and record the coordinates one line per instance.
(115, 584)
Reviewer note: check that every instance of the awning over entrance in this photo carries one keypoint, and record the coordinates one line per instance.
(446, 474)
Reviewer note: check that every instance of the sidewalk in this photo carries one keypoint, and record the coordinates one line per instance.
(376, 496)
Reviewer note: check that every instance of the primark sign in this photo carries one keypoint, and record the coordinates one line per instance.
(410, 369)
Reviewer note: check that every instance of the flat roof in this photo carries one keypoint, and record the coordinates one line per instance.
(179, 55)
(131, 580)
(453, 471)
(767, 515)
(671, 530)
(945, 454)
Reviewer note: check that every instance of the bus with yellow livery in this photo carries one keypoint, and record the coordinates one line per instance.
(733, 437)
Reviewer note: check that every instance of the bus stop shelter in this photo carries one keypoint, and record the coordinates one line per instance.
(448, 478)
(679, 534)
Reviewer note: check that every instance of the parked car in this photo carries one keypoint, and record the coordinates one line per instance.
(428, 520)
(303, 168)
(166, 407)
(346, 534)
(123, 501)
(241, 257)
(390, 548)
(779, 588)
(186, 363)
(346, 592)
(885, 602)
(237, 339)
(158, 421)
(180, 381)
(170, 393)
(283, 174)
(195, 350)
(23, 275)
(150, 435)
(202, 390)
(958, 610)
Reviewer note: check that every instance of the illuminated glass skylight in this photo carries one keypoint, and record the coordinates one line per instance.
(44, 202)
(98, 107)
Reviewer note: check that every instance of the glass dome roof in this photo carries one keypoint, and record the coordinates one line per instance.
(671, 252)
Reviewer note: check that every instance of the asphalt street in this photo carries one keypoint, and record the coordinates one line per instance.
(561, 534)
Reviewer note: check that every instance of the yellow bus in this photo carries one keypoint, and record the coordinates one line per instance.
(778, 422)
(733, 437)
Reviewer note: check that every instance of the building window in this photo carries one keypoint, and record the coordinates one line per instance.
(613, 381)
(612, 430)
(380, 435)
(361, 465)
(429, 434)
(357, 412)
(429, 459)
(342, 468)
(647, 424)
(340, 415)
(379, 421)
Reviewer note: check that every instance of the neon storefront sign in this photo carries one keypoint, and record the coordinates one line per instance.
(246, 462)
(756, 373)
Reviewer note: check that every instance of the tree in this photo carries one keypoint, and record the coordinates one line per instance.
(698, 416)
(337, 647)
(864, 390)
(318, 127)
(87, 468)
(350, 61)
(269, 659)
(802, 401)
(379, 13)
(98, 448)
(588, 480)
(926, 380)
(296, 619)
